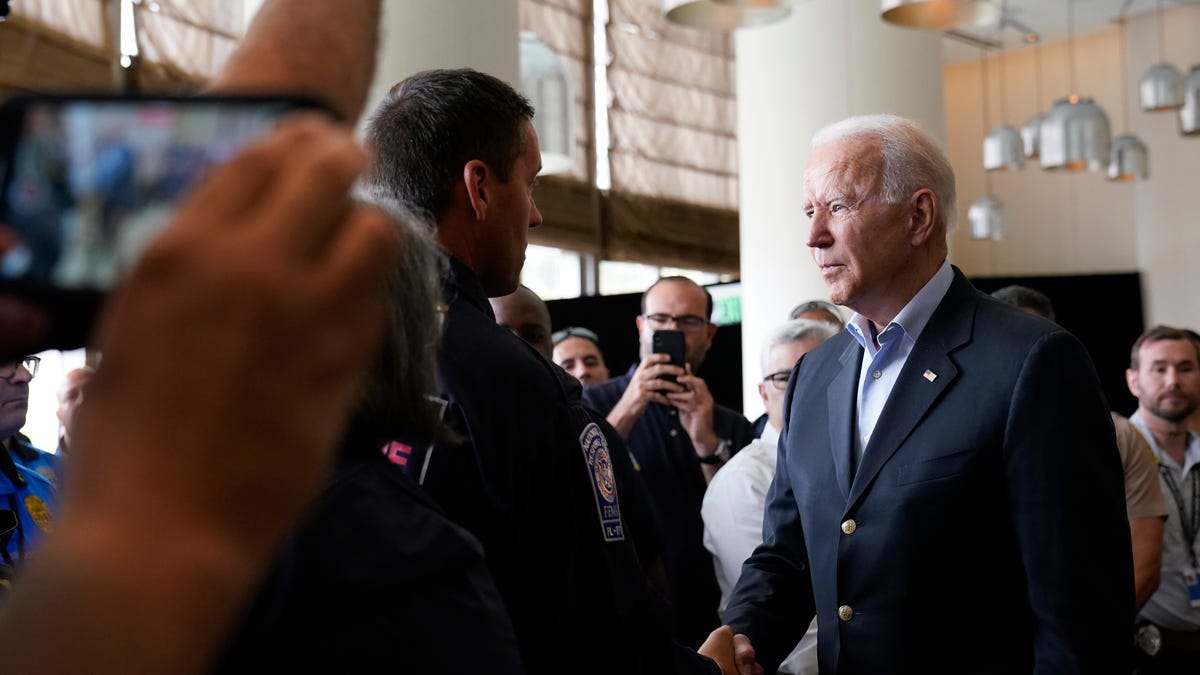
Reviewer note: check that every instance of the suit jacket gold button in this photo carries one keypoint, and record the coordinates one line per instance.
(845, 613)
(849, 526)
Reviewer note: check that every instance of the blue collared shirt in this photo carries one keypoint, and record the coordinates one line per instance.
(881, 365)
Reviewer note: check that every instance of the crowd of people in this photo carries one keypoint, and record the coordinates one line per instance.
(381, 455)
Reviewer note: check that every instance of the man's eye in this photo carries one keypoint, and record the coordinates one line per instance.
(837, 208)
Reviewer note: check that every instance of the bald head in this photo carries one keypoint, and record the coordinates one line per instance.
(70, 396)
(524, 314)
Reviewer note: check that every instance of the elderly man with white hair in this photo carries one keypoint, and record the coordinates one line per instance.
(948, 495)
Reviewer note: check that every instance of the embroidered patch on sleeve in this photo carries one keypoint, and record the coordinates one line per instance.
(600, 472)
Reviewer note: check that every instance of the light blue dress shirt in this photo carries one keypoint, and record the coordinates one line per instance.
(881, 365)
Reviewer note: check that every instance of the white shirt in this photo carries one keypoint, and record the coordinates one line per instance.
(881, 365)
(733, 519)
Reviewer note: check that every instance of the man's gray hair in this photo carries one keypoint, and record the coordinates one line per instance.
(911, 159)
(795, 330)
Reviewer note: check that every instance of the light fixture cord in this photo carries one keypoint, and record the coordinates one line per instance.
(1071, 42)
(1037, 60)
(1124, 76)
(983, 79)
(1162, 35)
(1000, 61)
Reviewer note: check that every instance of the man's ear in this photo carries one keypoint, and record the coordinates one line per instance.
(1131, 381)
(476, 177)
(762, 392)
(923, 209)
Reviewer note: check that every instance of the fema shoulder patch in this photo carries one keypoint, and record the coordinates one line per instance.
(600, 472)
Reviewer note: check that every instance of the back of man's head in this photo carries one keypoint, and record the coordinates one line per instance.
(431, 124)
(1027, 299)
(911, 159)
(524, 314)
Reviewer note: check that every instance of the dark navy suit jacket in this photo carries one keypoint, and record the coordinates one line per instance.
(989, 531)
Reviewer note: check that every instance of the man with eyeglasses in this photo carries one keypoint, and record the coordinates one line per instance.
(28, 476)
(680, 437)
(733, 505)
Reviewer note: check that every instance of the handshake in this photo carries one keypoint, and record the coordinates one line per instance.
(732, 653)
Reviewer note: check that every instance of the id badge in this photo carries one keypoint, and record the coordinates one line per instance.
(1191, 579)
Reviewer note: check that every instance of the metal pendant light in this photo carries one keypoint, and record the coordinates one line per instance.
(1076, 136)
(725, 14)
(1031, 131)
(986, 216)
(1075, 133)
(1129, 159)
(1189, 114)
(1162, 86)
(547, 85)
(939, 15)
(1031, 136)
(1002, 147)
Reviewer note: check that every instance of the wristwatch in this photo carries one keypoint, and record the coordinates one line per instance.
(720, 455)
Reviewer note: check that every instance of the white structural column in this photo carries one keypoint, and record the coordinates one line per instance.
(828, 60)
(422, 34)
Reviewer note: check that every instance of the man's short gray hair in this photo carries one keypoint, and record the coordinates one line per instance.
(911, 159)
(795, 330)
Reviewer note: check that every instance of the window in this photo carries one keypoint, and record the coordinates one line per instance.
(552, 273)
(656, 122)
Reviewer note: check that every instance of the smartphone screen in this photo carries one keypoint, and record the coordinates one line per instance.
(89, 181)
(670, 342)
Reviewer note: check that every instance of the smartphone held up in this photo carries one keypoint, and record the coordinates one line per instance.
(89, 180)
(670, 342)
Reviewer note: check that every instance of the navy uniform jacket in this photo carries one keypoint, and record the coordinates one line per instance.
(676, 486)
(376, 579)
(532, 480)
(984, 531)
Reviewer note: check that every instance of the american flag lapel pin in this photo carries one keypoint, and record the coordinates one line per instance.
(930, 375)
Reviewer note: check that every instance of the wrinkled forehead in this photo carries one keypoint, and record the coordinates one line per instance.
(846, 168)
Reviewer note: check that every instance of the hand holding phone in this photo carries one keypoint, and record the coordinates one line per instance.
(671, 343)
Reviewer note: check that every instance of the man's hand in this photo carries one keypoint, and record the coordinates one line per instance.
(719, 648)
(645, 387)
(695, 405)
(232, 355)
(744, 656)
(233, 352)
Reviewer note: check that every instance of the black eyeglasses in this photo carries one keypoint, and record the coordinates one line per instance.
(778, 380)
(574, 331)
(685, 322)
(29, 363)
